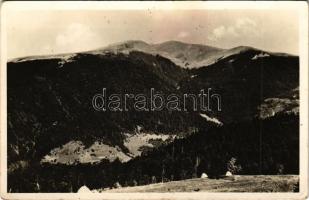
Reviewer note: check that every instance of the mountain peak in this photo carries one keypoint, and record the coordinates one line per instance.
(129, 44)
(184, 44)
(132, 42)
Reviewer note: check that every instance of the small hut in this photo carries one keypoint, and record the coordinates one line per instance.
(204, 175)
(228, 173)
(84, 189)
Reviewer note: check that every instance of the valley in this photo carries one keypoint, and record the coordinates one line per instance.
(54, 131)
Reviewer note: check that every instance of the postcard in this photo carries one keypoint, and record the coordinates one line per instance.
(154, 100)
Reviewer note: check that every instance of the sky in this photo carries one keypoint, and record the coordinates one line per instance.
(59, 31)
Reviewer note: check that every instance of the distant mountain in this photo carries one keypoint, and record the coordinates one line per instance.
(245, 78)
(182, 54)
(185, 55)
(250, 81)
(51, 119)
(50, 103)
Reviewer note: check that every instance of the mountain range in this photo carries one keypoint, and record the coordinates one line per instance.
(51, 119)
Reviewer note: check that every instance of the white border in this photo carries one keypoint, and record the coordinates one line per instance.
(301, 7)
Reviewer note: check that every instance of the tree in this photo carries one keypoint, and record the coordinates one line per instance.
(233, 167)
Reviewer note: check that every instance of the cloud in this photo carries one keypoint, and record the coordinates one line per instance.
(77, 37)
(242, 27)
(183, 34)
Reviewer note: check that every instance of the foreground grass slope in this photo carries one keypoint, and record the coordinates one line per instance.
(255, 183)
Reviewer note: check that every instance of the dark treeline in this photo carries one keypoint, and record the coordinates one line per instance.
(50, 105)
(269, 146)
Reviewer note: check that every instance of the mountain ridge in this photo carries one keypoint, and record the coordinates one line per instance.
(177, 51)
(52, 123)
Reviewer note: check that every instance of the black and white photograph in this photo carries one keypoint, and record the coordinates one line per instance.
(154, 98)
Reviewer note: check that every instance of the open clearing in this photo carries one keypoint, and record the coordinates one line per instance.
(253, 183)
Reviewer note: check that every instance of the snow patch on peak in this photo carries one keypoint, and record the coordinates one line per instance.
(260, 55)
(232, 60)
(66, 59)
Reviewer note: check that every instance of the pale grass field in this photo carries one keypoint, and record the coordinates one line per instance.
(253, 183)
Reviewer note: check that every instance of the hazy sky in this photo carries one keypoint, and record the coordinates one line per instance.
(51, 32)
